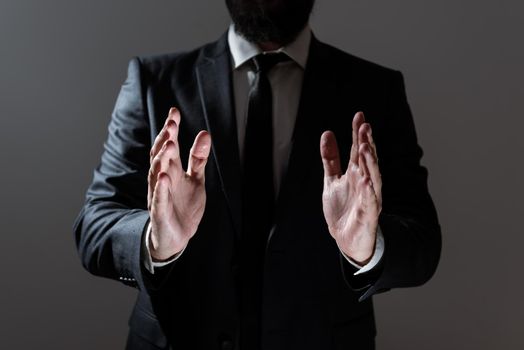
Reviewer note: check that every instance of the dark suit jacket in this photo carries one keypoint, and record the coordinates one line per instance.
(311, 298)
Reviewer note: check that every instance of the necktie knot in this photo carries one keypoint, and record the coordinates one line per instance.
(265, 61)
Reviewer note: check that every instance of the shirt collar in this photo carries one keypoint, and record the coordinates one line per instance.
(243, 50)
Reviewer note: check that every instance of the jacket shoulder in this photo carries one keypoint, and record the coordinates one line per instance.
(355, 65)
(160, 66)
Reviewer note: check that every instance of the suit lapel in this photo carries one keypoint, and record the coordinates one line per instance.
(215, 89)
(318, 92)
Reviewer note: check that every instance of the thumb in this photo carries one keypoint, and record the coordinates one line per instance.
(330, 155)
(199, 154)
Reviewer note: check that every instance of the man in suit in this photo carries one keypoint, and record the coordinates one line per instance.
(238, 229)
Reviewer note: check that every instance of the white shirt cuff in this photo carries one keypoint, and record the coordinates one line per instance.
(148, 260)
(377, 254)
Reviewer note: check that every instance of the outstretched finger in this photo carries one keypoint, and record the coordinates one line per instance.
(169, 132)
(161, 138)
(358, 119)
(371, 141)
(330, 155)
(371, 163)
(168, 154)
(199, 155)
(362, 164)
(369, 198)
(364, 135)
(159, 207)
(174, 115)
(152, 176)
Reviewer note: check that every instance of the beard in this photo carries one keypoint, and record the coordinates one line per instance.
(276, 21)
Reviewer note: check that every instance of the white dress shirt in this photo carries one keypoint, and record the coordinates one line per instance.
(286, 82)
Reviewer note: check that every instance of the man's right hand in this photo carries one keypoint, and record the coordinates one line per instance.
(176, 199)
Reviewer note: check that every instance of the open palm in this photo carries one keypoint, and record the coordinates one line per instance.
(176, 198)
(352, 201)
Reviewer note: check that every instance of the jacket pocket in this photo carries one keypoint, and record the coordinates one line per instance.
(356, 334)
(146, 326)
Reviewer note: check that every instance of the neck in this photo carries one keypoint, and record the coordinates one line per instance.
(269, 46)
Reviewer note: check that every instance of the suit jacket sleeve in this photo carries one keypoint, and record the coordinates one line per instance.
(114, 217)
(408, 220)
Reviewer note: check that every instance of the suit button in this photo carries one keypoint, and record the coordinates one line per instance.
(227, 345)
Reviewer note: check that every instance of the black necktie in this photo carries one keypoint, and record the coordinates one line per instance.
(258, 197)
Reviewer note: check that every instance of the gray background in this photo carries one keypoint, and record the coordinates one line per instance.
(61, 66)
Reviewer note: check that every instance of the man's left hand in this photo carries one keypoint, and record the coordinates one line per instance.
(352, 201)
